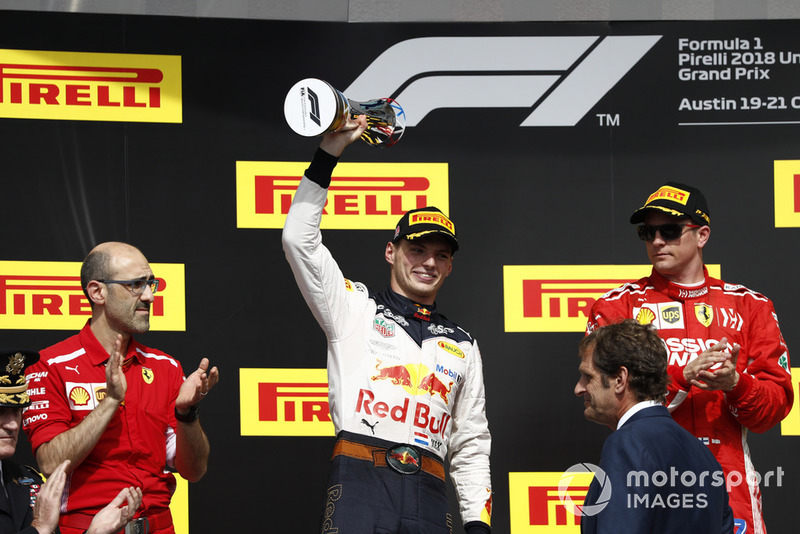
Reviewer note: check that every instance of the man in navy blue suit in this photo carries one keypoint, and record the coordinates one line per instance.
(658, 477)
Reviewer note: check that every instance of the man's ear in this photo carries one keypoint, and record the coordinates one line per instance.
(96, 292)
(621, 380)
(703, 233)
(389, 253)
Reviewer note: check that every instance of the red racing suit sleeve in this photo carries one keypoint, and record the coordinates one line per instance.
(764, 393)
(49, 414)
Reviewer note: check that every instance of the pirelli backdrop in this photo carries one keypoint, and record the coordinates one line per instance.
(539, 140)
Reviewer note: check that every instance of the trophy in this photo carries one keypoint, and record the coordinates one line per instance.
(313, 107)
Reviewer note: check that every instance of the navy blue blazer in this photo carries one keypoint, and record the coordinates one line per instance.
(663, 480)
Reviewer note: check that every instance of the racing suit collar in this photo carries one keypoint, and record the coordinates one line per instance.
(407, 307)
(677, 291)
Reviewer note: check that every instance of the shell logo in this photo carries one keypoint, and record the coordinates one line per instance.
(452, 349)
(79, 396)
(645, 316)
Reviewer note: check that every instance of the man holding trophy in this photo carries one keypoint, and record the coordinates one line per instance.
(405, 383)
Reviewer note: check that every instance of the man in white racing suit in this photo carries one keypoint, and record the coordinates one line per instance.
(405, 383)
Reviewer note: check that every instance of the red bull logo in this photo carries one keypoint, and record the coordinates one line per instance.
(422, 313)
(398, 374)
(434, 386)
(415, 379)
(404, 458)
(486, 513)
(422, 417)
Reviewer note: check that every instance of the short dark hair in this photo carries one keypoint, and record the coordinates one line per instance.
(96, 266)
(636, 347)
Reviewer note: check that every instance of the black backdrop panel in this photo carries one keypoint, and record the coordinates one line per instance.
(538, 195)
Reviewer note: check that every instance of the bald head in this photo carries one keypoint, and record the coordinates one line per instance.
(106, 260)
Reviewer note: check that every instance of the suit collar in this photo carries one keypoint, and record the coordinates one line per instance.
(641, 409)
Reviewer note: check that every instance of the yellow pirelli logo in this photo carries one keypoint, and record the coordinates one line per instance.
(35, 84)
(362, 196)
(672, 193)
(47, 295)
(536, 507)
(559, 298)
(431, 217)
(284, 402)
(787, 193)
(790, 426)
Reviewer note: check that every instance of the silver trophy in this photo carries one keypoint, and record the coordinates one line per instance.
(313, 107)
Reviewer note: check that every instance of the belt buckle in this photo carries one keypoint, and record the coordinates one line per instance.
(404, 459)
(140, 525)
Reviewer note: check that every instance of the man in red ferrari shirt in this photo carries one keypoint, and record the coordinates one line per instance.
(122, 413)
(727, 358)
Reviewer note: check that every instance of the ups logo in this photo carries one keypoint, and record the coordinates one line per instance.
(671, 315)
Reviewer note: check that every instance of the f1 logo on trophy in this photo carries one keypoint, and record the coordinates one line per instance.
(313, 107)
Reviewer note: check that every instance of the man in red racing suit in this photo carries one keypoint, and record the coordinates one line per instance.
(405, 384)
(728, 361)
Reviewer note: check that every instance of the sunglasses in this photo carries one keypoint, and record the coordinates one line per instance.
(647, 232)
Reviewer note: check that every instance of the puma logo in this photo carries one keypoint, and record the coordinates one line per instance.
(72, 368)
(371, 427)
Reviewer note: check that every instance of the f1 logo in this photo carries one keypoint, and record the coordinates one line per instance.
(313, 100)
(561, 78)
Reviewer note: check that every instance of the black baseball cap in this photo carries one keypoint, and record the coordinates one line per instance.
(13, 386)
(676, 199)
(425, 221)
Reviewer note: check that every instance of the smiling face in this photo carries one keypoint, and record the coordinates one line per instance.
(10, 421)
(679, 260)
(419, 267)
